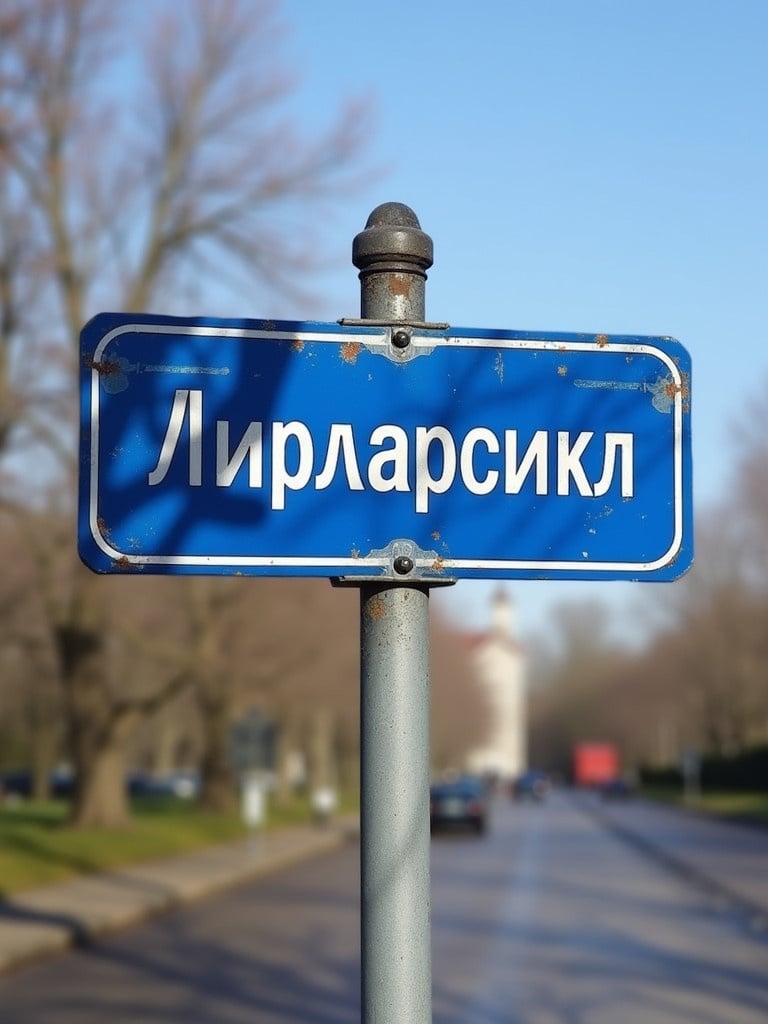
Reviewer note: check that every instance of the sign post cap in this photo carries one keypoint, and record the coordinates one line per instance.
(392, 240)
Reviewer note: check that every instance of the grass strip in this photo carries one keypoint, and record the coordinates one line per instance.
(38, 848)
(751, 808)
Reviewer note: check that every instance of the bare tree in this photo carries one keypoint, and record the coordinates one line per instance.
(748, 506)
(130, 170)
(577, 686)
(718, 612)
(31, 703)
(284, 648)
(700, 681)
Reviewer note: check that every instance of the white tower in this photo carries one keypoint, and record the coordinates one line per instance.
(499, 663)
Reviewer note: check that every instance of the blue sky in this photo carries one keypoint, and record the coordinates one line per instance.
(581, 165)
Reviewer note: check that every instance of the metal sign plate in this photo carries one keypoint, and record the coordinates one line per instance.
(314, 449)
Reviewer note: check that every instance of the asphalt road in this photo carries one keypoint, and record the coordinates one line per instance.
(549, 919)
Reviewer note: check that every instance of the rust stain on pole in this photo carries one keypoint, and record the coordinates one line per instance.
(376, 608)
(400, 285)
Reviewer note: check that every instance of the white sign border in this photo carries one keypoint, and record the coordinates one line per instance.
(380, 339)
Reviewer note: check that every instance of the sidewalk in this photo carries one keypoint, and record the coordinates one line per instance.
(51, 919)
(43, 921)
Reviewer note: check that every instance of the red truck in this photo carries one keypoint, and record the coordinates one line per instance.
(595, 764)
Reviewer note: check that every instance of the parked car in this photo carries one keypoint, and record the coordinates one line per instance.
(20, 784)
(16, 784)
(617, 789)
(531, 785)
(459, 802)
(63, 783)
(181, 784)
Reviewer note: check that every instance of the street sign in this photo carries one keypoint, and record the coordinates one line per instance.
(355, 450)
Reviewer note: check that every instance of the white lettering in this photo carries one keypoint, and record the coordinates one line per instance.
(282, 479)
(437, 457)
(476, 436)
(569, 463)
(250, 447)
(182, 400)
(614, 442)
(535, 454)
(425, 482)
(341, 441)
(395, 457)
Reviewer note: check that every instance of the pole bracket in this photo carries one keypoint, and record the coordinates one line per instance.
(421, 325)
(403, 561)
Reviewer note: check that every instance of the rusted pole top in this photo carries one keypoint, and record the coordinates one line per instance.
(393, 255)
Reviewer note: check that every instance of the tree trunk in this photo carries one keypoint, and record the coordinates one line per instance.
(101, 798)
(287, 748)
(218, 786)
(322, 764)
(44, 745)
(97, 731)
(168, 743)
(101, 792)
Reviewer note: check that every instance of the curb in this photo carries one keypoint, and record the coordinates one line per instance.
(755, 911)
(44, 922)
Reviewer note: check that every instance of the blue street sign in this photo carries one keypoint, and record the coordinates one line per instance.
(316, 449)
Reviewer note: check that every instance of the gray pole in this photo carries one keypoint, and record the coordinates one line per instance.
(393, 255)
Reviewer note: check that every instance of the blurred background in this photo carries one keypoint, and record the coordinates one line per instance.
(581, 167)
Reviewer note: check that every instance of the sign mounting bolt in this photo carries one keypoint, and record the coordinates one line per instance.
(403, 565)
(401, 339)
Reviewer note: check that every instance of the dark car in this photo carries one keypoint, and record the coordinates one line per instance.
(458, 803)
(531, 785)
(20, 784)
(16, 783)
(617, 789)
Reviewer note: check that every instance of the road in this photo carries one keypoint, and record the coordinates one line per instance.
(549, 919)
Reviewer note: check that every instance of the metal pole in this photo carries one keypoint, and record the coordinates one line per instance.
(393, 255)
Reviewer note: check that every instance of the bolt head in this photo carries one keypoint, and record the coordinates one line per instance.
(403, 565)
(401, 339)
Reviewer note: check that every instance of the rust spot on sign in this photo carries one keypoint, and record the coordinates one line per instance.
(123, 563)
(438, 565)
(672, 390)
(562, 371)
(376, 608)
(106, 368)
(435, 535)
(601, 340)
(297, 345)
(350, 351)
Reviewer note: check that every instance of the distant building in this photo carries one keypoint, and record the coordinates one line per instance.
(499, 663)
